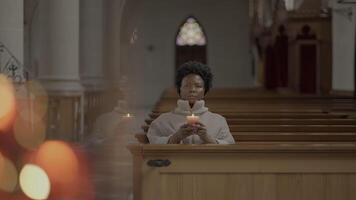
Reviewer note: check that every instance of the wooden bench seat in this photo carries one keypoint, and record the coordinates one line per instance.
(264, 107)
(282, 136)
(287, 128)
(285, 121)
(277, 115)
(293, 128)
(293, 136)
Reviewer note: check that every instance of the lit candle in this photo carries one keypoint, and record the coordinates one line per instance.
(127, 117)
(192, 119)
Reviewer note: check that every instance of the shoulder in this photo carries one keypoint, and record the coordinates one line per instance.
(215, 116)
(164, 117)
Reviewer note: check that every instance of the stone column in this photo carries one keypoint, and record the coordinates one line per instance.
(59, 67)
(61, 74)
(91, 44)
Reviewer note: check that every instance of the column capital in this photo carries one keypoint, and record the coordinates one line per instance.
(93, 83)
(62, 86)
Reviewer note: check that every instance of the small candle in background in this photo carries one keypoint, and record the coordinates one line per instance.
(128, 123)
(192, 119)
(127, 118)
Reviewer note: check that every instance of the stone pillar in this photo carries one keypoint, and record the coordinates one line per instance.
(113, 45)
(59, 67)
(62, 73)
(91, 44)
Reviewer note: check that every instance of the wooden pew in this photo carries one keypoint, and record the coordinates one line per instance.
(336, 121)
(277, 115)
(258, 115)
(246, 171)
(294, 136)
(287, 145)
(263, 106)
(254, 93)
(287, 128)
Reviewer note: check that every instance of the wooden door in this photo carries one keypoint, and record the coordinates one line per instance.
(190, 53)
(308, 68)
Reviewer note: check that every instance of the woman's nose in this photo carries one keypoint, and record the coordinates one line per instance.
(192, 89)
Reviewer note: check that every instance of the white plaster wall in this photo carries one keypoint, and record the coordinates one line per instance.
(11, 26)
(343, 31)
(226, 24)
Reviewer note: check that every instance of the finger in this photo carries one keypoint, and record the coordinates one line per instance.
(200, 124)
(184, 125)
(201, 128)
(188, 130)
(202, 131)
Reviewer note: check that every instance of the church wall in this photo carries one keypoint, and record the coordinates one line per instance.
(151, 57)
(11, 26)
(343, 32)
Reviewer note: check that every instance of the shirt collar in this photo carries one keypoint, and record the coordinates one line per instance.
(183, 107)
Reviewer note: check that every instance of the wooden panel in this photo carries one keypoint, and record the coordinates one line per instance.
(248, 171)
(241, 186)
(252, 186)
(64, 118)
(313, 187)
(289, 186)
(337, 187)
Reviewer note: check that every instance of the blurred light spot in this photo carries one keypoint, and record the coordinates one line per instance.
(8, 175)
(67, 168)
(32, 100)
(59, 161)
(34, 182)
(7, 105)
(29, 135)
(134, 36)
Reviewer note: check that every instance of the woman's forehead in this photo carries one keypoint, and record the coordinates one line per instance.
(192, 77)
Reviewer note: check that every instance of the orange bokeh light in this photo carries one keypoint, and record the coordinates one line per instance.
(67, 170)
(62, 165)
(8, 175)
(29, 135)
(8, 102)
(32, 100)
(59, 161)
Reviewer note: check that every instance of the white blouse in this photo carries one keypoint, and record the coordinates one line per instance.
(167, 124)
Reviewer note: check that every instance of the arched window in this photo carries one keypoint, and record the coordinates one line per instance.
(191, 34)
(190, 42)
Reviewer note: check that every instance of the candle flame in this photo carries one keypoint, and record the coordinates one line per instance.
(128, 115)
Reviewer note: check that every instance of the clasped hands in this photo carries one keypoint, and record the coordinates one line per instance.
(187, 130)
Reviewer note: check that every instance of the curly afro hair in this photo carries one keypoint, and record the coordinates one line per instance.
(194, 67)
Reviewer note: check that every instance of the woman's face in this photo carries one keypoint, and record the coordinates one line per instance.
(192, 88)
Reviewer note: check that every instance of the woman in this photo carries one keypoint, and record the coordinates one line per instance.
(193, 81)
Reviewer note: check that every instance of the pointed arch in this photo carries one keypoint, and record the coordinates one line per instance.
(190, 42)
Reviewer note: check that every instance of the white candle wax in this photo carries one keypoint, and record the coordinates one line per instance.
(192, 119)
